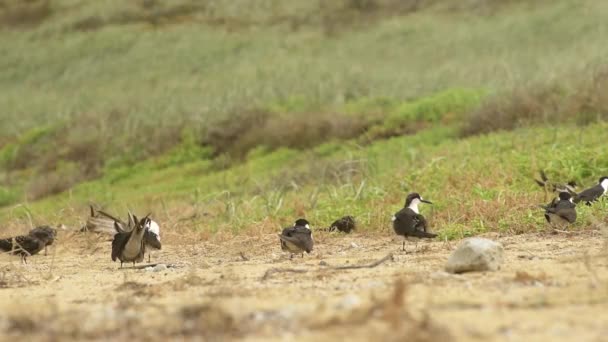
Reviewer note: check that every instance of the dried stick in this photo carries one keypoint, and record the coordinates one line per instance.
(372, 265)
(272, 271)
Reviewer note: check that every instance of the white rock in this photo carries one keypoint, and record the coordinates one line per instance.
(160, 267)
(348, 302)
(475, 254)
(353, 245)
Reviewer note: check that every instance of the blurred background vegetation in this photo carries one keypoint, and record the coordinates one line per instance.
(241, 105)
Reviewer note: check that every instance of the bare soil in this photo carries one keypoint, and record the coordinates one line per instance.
(551, 288)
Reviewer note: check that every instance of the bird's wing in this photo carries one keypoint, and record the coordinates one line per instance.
(565, 210)
(590, 194)
(122, 226)
(28, 244)
(118, 244)
(420, 223)
(152, 240)
(568, 214)
(302, 238)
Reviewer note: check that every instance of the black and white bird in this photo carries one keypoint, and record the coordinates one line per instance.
(561, 211)
(28, 245)
(593, 193)
(151, 235)
(344, 224)
(408, 222)
(129, 246)
(45, 231)
(297, 239)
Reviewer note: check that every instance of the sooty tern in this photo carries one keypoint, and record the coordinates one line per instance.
(297, 239)
(47, 233)
(561, 211)
(408, 222)
(344, 224)
(129, 246)
(593, 193)
(27, 245)
(151, 235)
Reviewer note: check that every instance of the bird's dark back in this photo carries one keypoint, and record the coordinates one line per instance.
(345, 224)
(404, 222)
(300, 236)
(6, 244)
(118, 244)
(46, 234)
(151, 240)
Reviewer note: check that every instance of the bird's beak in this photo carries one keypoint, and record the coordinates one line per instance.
(425, 201)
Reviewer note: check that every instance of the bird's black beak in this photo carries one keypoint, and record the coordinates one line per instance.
(425, 201)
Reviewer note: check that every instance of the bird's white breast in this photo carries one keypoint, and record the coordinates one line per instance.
(414, 206)
(155, 228)
(604, 185)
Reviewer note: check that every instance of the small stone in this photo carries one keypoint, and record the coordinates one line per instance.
(348, 302)
(322, 263)
(160, 267)
(475, 254)
(353, 245)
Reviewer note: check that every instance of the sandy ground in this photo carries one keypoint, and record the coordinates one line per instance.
(550, 288)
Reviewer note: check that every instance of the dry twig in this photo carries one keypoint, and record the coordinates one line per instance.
(272, 271)
(373, 264)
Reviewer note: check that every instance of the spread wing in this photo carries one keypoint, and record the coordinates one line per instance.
(118, 244)
(590, 194)
(120, 225)
(152, 240)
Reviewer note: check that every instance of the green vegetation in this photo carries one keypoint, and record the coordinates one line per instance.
(227, 116)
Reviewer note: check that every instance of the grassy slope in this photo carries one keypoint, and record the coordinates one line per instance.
(478, 184)
(191, 71)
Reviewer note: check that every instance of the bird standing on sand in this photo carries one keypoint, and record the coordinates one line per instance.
(345, 224)
(560, 212)
(151, 235)
(408, 222)
(27, 245)
(129, 246)
(594, 193)
(297, 239)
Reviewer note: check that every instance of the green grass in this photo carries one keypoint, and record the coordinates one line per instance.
(477, 184)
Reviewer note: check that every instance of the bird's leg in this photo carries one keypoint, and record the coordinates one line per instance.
(133, 263)
(416, 247)
(302, 255)
(290, 256)
(45, 254)
(148, 258)
(121, 264)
